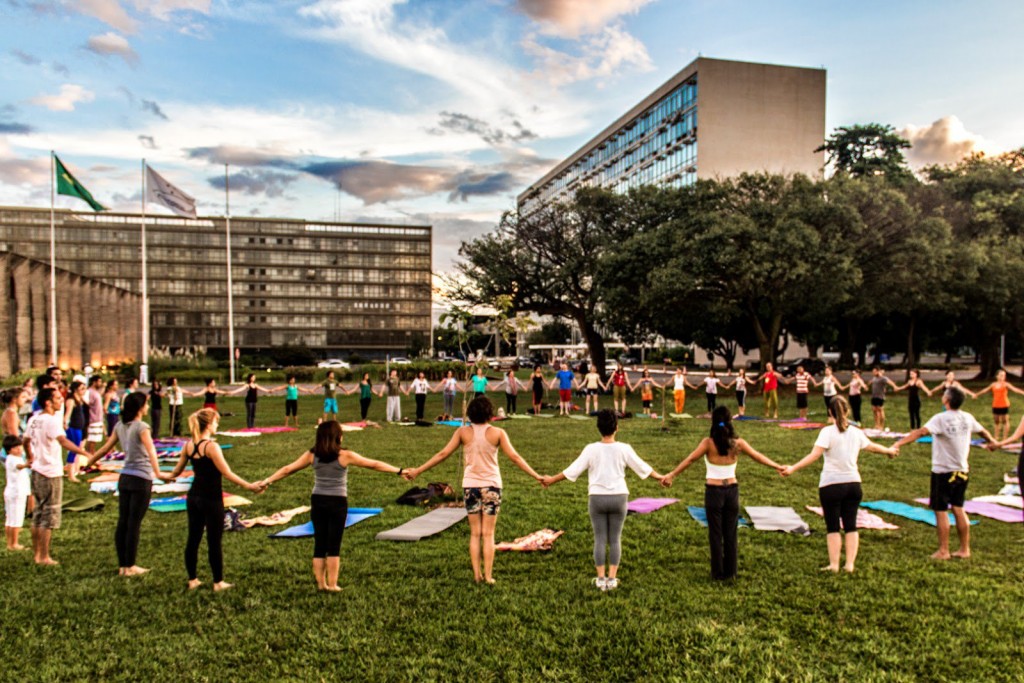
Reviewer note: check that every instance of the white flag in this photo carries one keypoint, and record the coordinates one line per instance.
(162, 192)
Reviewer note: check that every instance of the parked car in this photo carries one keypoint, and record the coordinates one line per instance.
(399, 360)
(629, 360)
(334, 364)
(815, 366)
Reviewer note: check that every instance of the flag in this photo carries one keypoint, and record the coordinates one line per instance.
(68, 185)
(162, 192)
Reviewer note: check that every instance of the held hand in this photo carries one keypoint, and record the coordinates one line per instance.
(409, 475)
(256, 487)
(994, 445)
(163, 476)
(786, 471)
(895, 452)
(666, 481)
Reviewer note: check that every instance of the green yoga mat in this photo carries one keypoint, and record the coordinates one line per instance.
(82, 504)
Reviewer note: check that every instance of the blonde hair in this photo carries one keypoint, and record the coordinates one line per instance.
(200, 420)
(838, 408)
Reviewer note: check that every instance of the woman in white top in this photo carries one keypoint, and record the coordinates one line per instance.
(839, 486)
(420, 387)
(830, 386)
(175, 403)
(741, 390)
(605, 463)
(856, 385)
(720, 451)
(512, 387)
(449, 387)
(711, 383)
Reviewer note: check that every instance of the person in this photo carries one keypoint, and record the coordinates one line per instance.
(646, 385)
(512, 387)
(1013, 438)
(740, 383)
(770, 390)
(95, 434)
(156, 405)
(44, 438)
(914, 386)
(803, 380)
(481, 480)
(830, 387)
(329, 501)
(592, 384)
(26, 410)
(135, 485)
(448, 387)
(131, 387)
(76, 420)
(605, 463)
(620, 385)
(950, 380)
(10, 421)
(252, 390)
(205, 499)
(951, 446)
(839, 487)
(291, 399)
(330, 386)
(365, 395)
(479, 382)
(711, 384)
(16, 491)
(720, 451)
(539, 389)
(1000, 403)
(111, 405)
(420, 387)
(566, 380)
(879, 384)
(856, 386)
(211, 392)
(393, 388)
(176, 404)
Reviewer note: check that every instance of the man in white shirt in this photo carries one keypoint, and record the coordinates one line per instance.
(951, 445)
(44, 437)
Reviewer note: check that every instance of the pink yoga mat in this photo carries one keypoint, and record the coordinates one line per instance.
(990, 510)
(865, 519)
(266, 430)
(643, 506)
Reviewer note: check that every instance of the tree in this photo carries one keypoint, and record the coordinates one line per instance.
(867, 150)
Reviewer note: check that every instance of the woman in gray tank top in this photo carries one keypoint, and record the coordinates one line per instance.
(329, 501)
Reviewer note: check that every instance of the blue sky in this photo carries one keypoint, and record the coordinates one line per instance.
(440, 112)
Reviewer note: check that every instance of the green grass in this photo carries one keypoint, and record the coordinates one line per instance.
(410, 611)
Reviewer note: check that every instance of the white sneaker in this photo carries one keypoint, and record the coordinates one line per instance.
(601, 583)
(611, 584)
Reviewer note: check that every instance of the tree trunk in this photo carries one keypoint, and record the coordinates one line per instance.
(988, 357)
(909, 359)
(848, 344)
(767, 340)
(812, 350)
(729, 350)
(595, 343)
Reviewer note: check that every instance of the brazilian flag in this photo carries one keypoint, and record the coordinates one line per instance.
(68, 185)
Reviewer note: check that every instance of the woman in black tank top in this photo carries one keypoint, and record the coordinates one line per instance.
(251, 389)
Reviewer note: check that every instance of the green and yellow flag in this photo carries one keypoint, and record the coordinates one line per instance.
(68, 185)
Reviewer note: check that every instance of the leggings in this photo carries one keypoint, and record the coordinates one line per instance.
(328, 515)
(112, 419)
(421, 403)
(722, 504)
(394, 409)
(510, 403)
(449, 403)
(712, 401)
(250, 415)
(175, 420)
(364, 407)
(154, 419)
(679, 395)
(771, 401)
(1020, 465)
(914, 407)
(855, 406)
(133, 501)
(839, 502)
(205, 513)
(607, 515)
(741, 398)
(828, 403)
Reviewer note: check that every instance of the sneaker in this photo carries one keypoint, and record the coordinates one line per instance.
(611, 584)
(601, 583)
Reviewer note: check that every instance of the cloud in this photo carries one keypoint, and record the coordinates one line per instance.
(110, 12)
(110, 44)
(255, 182)
(945, 141)
(147, 141)
(241, 156)
(463, 123)
(25, 58)
(22, 172)
(162, 9)
(154, 109)
(572, 18)
(65, 100)
(61, 69)
(15, 128)
(381, 181)
(602, 55)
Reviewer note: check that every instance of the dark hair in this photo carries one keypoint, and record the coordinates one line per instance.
(132, 406)
(172, 381)
(328, 441)
(954, 397)
(74, 387)
(210, 380)
(250, 378)
(51, 369)
(480, 410)
(607, 422)
(722, 431)
(95, 379)
(155, 386)
(11, 442)
(45, 394)
(133, 381)
(43, 380)
(8, 396)
(110, 385)
(290, 378)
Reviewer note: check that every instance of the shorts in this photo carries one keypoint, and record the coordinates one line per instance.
(95, 432)
(801, 399)
(14, 511)
(877, 402)
(647, 403)
(619, 391)
(948, 490)
(485, 499)
(75, 437)
(48, 493)
(741, 398)
(211, 406)
(565, 395)
(591, 392)
(291, 407)
(839, 503)
(330, 405)
(1001, 411)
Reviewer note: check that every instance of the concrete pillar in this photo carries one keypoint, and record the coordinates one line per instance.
(108, 331)
(79, 288)
(119, 318)
(64, 296)
(22, 314)
(7, 343)
(39, 276)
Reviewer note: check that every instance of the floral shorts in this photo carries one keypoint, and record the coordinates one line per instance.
(486, 499)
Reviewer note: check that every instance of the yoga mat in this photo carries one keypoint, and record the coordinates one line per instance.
(542, 415)
(1009, 501)
(700, 515)
(519, 417)
(1010, 490)
(275, 519)
(238, 434)
(102, 486)
(865, 519)
(768, 518)
(434, 522)
(912, 512)
(269, 430)
(645, 506)
(579, 417)
(539, 540)
(800, 426)
(990, 510)
(450, 423)
(179, 504)
(681, 416)
(355, 515)
(82, 504)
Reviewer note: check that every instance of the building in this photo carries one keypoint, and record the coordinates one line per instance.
(715, 118)
(336, 287)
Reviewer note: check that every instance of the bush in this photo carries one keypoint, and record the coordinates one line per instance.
(298, 355)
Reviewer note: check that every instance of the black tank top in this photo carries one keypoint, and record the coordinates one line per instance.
(210, 397)
(250, 395)
(79, 418)
(206, 482)
(913, 394)
(538, 384)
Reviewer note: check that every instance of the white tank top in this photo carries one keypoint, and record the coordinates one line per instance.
(719, 471)
(741, 384)
(679, 379)
(829, 385)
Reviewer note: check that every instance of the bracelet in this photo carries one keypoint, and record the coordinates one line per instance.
(400, 470)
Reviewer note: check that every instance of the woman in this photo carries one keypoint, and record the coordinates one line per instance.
(448, 387)
(132, 387)
(76, 421)
(175, 402)
(830, 387)
(329, 502)
(539, 389)
(741, 390)
(803, 381)
(419, 387)
(839, 488)
(605, 463)
(291, 398)
(210, 394)
(512, 387)
(720, 451)
(914, 387)
(252, 390)
(481, 480)
(646, 386)
(479, 382)
(1000, 403)
(111, 405)
(711, 383)
(679, 385)
(10, 422)
(365, 395)
(156, 405)
(592, 384)
(134, 487)
(857, 385)
(205, 500)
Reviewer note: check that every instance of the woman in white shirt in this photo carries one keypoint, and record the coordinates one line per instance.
(420, 387)
(605, 463)
(711, 384)
(839, 486)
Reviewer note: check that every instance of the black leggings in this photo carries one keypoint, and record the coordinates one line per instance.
(712, 402)
(1020, 465)
(154, 419)
(364, 407)
(205, 513)
(855, 406)
(914, 406)
(328, 515)
(133, 501)
(839, 502)
(250, 415)
(510, 403)
(722, 504)
(421, 402)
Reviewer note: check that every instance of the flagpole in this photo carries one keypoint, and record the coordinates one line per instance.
(145, 285)
(53, 266)
(231, 300)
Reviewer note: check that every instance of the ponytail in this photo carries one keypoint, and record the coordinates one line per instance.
(722, 431)
(200, 420)
(839, 409)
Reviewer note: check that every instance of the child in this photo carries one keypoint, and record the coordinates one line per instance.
(16, 492)
(951, 445)
(605, 463)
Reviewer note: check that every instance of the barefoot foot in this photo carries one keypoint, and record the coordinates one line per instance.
(829, 568)
(940, 555)
(222, 586)
(48, 562)
(194, 584)
(962, 554)
(135, 571)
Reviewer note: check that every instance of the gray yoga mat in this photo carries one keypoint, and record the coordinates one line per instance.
(777, 519)
(434, 522)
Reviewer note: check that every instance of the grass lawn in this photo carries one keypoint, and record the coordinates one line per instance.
(409, 611)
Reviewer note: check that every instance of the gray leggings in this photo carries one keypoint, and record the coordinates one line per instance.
(449, 403)
(607, 515)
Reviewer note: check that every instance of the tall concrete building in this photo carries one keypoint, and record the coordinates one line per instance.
(715, 118)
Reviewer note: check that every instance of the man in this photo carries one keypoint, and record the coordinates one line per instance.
(879, 384)
(94, 401)
(44, 438)
(951, 445)
(566, 380)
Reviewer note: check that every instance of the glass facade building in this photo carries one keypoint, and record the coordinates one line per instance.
(336, 287)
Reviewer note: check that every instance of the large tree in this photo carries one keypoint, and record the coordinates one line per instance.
(867, 150)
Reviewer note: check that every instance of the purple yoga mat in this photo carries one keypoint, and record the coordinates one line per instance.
(643, 506)
(990, 510)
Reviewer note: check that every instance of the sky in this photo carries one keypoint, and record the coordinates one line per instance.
(440, 112)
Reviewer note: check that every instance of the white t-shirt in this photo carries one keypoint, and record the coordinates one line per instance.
(420, 386)
(606, 465)
(450, 385)
(47, 455)
(18, 481)
(841, 451)
(711, 385)
(175, 397)
(741, 383)
(951, 440)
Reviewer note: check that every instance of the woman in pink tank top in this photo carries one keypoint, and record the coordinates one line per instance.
(481, 479)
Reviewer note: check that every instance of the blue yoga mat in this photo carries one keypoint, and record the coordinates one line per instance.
(355, 515)
(450, 423)
(912, 512)
(700, 515)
